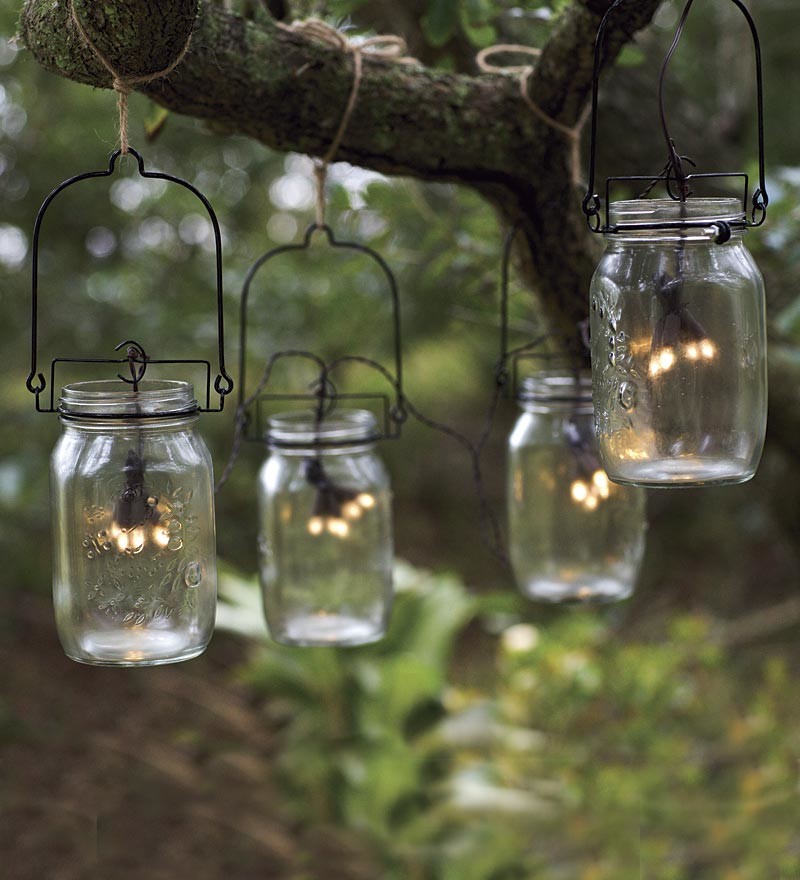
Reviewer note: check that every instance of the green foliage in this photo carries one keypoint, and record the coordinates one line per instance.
(655, 756)
(778, 251)
(440, 21)
(357, 722)
(589, 757)
(476, 21)
(444, 18)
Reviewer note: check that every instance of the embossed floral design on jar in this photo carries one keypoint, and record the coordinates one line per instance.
(326, 541)
(133, 509)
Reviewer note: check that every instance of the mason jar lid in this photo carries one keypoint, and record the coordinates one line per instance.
(344, 427)
(632, 211)
(557, 387)
(114, 399)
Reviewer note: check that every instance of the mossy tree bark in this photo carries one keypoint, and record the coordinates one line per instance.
(289, 92)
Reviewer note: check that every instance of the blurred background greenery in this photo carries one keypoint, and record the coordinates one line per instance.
(486, 738)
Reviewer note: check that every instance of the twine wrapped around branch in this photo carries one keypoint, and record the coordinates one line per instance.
(524, 72)
(384, 47)
(123, 85)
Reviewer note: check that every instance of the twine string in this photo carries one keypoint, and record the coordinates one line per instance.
(524, 72)
(383, 47)
(123, 85)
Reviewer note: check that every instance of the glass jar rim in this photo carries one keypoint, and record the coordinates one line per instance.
(557, 386)
(301, 428)
(629, 211)
(113, 398)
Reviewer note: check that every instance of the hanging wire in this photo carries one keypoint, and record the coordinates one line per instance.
(36, 382)
(674, 172)
(324, 395)
(491, 533)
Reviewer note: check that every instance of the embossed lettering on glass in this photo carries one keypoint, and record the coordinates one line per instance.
(574, 535)
(326, 530)
(133, 522)
(678, 347)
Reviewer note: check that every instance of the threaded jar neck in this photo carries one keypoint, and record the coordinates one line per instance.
(627, 213)
(114, 399)
(343, 430)
(560, 391)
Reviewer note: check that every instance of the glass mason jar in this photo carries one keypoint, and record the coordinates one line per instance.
(678, 349)
(135, 579)
(326, 530)
(574, 535)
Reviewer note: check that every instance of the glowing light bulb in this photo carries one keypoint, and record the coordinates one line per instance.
(692, 352)
(579, 491)
(160, 536)
(707, 349)
(352, 510)
(591, 502)
(130, 541)
(120, 538)
(601, 483)
(338, 527)
(316, 525)
(666, 359)
(662, 361)
(366, 500)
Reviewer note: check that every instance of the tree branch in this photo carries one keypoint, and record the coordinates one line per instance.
(289, 93)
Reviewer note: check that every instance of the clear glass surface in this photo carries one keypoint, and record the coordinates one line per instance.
(574, 535)
(326, 531)
(133, 525)
(678, 351)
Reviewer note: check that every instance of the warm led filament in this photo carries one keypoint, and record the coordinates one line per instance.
(334, 506)
(664, 359)
(678, 335)
(136, 521)
(590, 492)
(132, 541)
(591, 485)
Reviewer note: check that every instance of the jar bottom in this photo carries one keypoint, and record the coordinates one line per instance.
(331, 630)
(590, 590)
(117, 648)
(686, 472)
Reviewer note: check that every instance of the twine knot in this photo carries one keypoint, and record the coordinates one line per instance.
(382, 47)
(524, 72)
(123, 85)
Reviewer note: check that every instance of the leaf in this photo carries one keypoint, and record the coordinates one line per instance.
(475, 18)
(440, 21)
(154, 125)
(630, 56)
